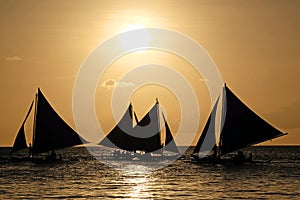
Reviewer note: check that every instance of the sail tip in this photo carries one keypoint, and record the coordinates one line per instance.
(156, 100)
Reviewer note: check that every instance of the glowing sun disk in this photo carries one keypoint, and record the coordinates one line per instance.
(140, 38)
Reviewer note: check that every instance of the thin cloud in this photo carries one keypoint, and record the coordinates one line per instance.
(13, 58)
(112, 83)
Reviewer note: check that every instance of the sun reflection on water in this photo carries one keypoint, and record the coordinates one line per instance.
(137, 178)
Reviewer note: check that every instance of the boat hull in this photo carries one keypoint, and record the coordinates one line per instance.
(218, 160)
(145, 157)
(16, 159)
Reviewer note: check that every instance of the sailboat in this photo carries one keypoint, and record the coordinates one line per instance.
(143, 140)
(242, 128)
(50, 132)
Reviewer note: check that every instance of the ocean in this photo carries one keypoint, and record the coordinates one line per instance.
(275, 175)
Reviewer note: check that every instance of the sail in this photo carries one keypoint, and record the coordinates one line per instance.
(145, 136)
(51, 132)
(118, 136)
(20, 141)
(243, 127)
(170, 144)
(148, 131)
(207, 140)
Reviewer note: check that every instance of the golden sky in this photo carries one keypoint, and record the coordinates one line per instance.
(255, 45)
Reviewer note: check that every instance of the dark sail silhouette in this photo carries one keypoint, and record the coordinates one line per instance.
(169, 142)
(118, 136)
(207, 140)
(50, 132)
(145, 136)
(20, 141)
(147, 131)
(242, 127)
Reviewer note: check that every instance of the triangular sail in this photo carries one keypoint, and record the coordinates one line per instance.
(148, 131)
(119, 136)
(207, 140)
(170, 144)
(20, 141)
(145, 136)
(243, 127)
(51, 132)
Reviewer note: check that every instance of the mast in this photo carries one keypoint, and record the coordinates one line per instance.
(223, 119)
(34, 120)
(158, 125)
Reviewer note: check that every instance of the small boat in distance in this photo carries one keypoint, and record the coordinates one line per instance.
(50, 132)
(242, 128)
(143, 141)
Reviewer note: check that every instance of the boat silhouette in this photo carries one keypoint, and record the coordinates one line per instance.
(50, 132)
(142, 141)
(242, 128)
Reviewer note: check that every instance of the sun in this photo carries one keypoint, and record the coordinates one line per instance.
(133, 27)
(139, 38)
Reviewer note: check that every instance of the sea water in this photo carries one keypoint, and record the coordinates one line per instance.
(276, 175)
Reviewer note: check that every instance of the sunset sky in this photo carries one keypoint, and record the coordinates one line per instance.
(255, 44)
